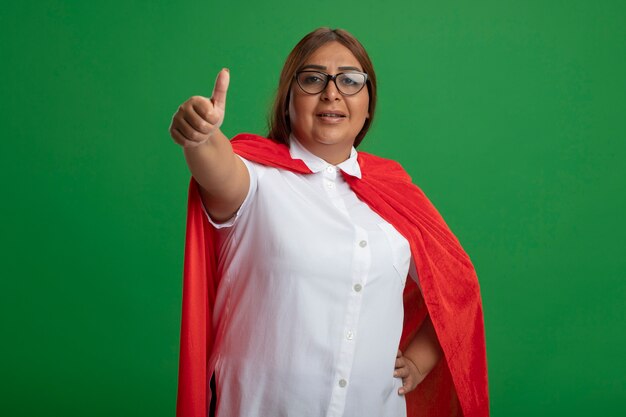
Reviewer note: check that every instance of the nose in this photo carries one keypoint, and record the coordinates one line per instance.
(330, 92)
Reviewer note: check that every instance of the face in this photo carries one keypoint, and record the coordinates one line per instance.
(329, 137)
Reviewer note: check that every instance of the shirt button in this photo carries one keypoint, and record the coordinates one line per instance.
(350, 335)
(330, 185)
(357, 287)
(330, 169)
(363, 243)
(343, 383)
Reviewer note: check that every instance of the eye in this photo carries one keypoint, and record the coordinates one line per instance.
(348, 81)
(351, 80)
(311, 78)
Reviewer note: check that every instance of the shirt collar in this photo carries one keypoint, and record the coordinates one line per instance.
(316, 164)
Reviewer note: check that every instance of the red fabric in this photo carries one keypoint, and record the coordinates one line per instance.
(457, 386)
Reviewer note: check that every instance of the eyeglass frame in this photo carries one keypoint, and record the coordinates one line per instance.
(330, 78)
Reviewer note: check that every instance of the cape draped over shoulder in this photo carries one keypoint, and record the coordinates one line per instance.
(450, 293)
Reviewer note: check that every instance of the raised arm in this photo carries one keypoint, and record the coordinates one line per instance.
(222, 176)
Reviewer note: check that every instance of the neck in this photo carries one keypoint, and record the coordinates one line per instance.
(334, 154)
(331, 155)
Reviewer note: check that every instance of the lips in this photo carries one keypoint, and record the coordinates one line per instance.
(331, 114)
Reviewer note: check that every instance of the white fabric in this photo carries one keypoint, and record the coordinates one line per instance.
(309, 308)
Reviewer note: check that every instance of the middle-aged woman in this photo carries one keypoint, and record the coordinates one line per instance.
(296, 300)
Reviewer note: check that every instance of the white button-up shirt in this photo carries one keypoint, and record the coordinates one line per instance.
(309, 308)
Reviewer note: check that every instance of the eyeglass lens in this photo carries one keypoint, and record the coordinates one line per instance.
(347, 83)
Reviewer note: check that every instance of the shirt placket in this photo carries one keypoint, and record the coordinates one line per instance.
(361, 261)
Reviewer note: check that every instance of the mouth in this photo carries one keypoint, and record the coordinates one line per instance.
(331, 115)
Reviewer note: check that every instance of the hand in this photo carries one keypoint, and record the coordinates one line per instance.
(407, 370)
(197, 118)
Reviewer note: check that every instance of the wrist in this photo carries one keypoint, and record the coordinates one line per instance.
(212, 139)
(422, 368)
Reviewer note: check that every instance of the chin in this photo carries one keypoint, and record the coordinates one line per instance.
(328, 140)
(333, 138)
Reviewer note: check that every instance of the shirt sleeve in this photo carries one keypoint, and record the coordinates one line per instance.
(246, 202)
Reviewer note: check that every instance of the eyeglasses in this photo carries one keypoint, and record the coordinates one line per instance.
(314, 82)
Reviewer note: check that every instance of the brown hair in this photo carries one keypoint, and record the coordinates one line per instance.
(279, 126)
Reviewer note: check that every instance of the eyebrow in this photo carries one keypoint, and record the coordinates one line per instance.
(321, 67)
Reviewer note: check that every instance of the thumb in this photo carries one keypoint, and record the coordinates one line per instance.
(221, 87)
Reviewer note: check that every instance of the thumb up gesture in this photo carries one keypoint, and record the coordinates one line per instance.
(197, 118)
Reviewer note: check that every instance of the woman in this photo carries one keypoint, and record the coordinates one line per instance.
(311, 244)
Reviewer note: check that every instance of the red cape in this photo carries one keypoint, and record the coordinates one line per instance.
(457, 386)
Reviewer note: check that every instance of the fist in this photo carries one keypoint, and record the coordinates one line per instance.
(197, 118)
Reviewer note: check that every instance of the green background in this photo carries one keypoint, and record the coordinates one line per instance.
(510, 115)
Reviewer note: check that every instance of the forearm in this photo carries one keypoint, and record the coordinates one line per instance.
(212, 162)
(424, 350)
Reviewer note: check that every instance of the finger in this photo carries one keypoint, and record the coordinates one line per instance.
(399, 354)
(177, 136)
(403, 389)
(198, 123)
(187, 130)
(205, 109)
(202, 106)
(220, 89)
(402, 372)
(400, 362)
(182, 141)
(408, 384)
